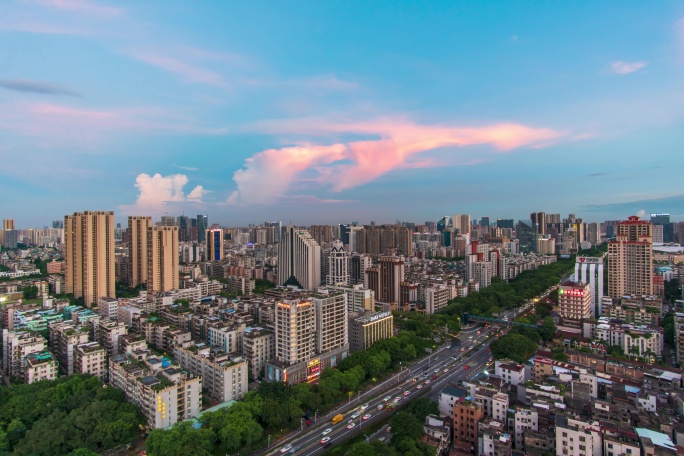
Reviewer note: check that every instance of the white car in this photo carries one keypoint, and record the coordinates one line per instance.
(351, 425)
(366, 416)
(286, 448)
(325, 440)
(355, 415)
(419, 386)
(406, 393)
(386, 398)
(364, 406)
(327, 431)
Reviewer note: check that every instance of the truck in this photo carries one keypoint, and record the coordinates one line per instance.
(337, 418)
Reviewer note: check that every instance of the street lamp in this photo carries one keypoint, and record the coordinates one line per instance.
(269, 441)
(316, 417)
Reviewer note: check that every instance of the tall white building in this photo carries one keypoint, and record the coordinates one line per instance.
(295, 330)
(299, 259)
(338, 265)
(590, 270)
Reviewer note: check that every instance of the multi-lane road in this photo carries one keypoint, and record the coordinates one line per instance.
(424, 378)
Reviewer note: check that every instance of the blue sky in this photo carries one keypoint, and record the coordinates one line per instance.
(327, 112)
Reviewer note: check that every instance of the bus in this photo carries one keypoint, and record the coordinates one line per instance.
(337, 418)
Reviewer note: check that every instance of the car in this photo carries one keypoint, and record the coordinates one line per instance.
(386, 398)
(434, 377)
(397, 399)
(366, 416)
(355, 415)
(406, 393)
(427, 382)
(351, 424)
(463, 349)
(295, 449)
(327, 431)
(419, 386)
(415, 379)
(436, 371)
(466, 367)
(286, 448)
(389, 428)
(446, 370)
(325, 440)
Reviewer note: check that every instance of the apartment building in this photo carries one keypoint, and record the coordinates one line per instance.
(91, 358)
(258, 347)
(40, 366)
(64, 337)
(16, 346)
(576, 437)
(224, 375)
(109, 333)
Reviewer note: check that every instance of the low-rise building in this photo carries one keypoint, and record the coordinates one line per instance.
(40, 366)
(224, 375)
(165, 394)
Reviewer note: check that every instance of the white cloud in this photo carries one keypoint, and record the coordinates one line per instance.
(641, 214)
(620, 67)
(156, 193)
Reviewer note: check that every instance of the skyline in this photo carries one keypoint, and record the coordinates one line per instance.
(331, 114)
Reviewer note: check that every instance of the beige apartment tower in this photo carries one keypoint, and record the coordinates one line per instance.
(162, 259)
(89, 253)
(137, 249)
(630, 259)
(295, 331)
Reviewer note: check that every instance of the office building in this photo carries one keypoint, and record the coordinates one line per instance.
(162, 259)
(295, 331)
(338, 265)
(165, 394)
(574, 301)
(214, 244)
(505, 223)
(538, 220)
(359, 263)
(484, 221)
(167, 220)
(526, 233)
(183, 223)
(461, 222)
(89, 255)
(224, 375)
(137, 249)
(630, 259)
(589, 270)
(366, 328)
(391, 275)
(299, 260)
(202, 223)
(664, 221)
(443, 223)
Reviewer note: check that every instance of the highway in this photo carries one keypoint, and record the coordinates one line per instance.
(425, 378)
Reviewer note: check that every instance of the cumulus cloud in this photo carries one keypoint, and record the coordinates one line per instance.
(641, 213)
(22, 85)
(156, 193)
(344, 165)
(620, 67)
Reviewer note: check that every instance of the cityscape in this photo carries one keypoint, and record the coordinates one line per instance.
(306, 228)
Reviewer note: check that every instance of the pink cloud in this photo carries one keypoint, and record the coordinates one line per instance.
(187, 71)
(341, 166)
(621, 67)
(82, 6)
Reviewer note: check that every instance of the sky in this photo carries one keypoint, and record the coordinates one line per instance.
(317, 112)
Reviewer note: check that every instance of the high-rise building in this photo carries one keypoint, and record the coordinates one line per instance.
(137, 249)
(299, 259)
(589, 270)
(214, 244)
(295, 331)
(359, 263)
(505, 223)
(89, 255)
(443, 223)
(526, 233)
(331, 322)
(168, 220)
(183, 223)
(461, 222)
(630, 259)
(539, 221)
(366, 328)
(664, 221)
(322, 234)
(593, 233)
(484, 221)
(162, 259)
(202, 225)
(391, 276)
(8, 224)
(338, 265)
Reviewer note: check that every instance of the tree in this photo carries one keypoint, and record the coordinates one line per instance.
(513, 346)
(422, 407)
(548, 329)
(406, 425)
(181, 440)
(30, 292)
